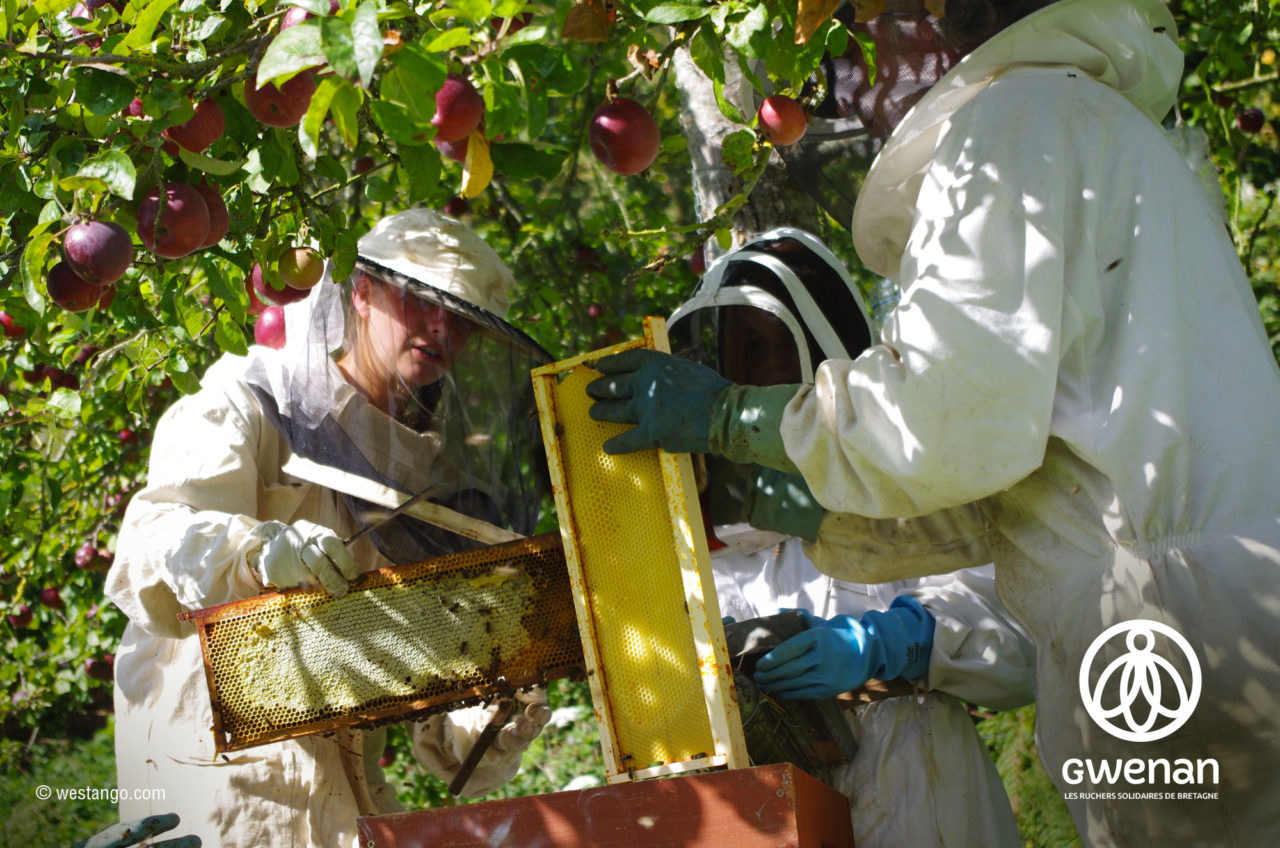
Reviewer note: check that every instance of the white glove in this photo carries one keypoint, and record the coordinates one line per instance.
(304, 554)
(524, 728)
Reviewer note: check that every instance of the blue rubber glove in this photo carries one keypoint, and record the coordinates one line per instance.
(670, 400)
(840, 654)
(782, 503)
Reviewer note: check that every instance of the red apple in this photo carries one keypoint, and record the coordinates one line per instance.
(388, 756)
(1251, 120)
(98, 251)
(12, 329)
(517, 23)
(782, 120)
(459, 108)
(219, 218)
(134, 109)
(284, 106)
(127, 436)
(21, 618)
(698, 262)
(50, 597)
(178, 227)
(268, 294)
(455, 150)
(203, 129)
(85, 555)
(595, 310)
(108, 295)
(624, 136)
(251, 283)
(100, 668)
(70, 291)
(269, 328)
(300, 267)
(456, 207)
(293, 17)
(363, 165)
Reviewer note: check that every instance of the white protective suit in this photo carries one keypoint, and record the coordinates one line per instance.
(215, 474)
(1078, 353)
(921, 776)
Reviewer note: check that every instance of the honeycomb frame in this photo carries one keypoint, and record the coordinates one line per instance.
(654, 648)
(266, 655)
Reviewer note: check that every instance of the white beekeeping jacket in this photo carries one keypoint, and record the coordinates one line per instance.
(215, 475)
(1077, 353)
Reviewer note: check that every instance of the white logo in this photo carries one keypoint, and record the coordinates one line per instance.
(1143, 673)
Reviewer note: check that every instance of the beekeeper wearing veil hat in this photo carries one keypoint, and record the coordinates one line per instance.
(403, 379)
(1077, 385)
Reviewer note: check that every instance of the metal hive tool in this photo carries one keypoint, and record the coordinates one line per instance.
(637, 555)
(403, 643)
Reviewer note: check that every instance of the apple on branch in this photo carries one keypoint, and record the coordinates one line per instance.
(268, 330)
(782, 120)
(98, 251)
(70, 291)
(203, 129)
(177, 226)
(284, 106)
(624, 136)
(459, 108)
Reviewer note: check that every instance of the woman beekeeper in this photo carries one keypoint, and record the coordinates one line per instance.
(1078, 382)
(406, 376)
(921, 775)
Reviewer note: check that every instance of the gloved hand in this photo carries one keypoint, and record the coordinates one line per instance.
(133, 832)
(839, 654)
(782, 503)
(520, 732)
(670, 400)
(305, 554)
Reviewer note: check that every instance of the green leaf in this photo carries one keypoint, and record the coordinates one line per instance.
(367, 39)
(675, 13)
(476, 11)
(399, 127)
(421, 168)
(338, 45)
(179, 371)
(412, 83)
(726, 108)
(524, 161)
(114, 170)
(32, 270)
(867, 45)
(291, 52)
(65, 403)
(450, 39)
(144, 25)
(737, 151)
(707, 54)
(102, 92)
(378, 190)
(313, 121)
(346, 105)
(508, 8)
(229, 336)
(750, 36)
(319, 8)
(209, 165)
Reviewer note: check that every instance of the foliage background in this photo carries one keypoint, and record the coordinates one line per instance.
(594, 253)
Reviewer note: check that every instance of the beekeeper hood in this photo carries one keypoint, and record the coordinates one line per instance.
(768, 313)
(405, 374)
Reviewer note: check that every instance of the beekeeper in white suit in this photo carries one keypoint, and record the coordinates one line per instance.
(921, 775)
(1077, 384)
(249, 488)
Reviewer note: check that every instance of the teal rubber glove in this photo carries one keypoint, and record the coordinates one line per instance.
(841, 653)
(782, 503)
(670, 400)
(133, 832)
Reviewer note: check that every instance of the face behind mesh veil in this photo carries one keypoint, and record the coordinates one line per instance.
(768, 313)
(461, 426)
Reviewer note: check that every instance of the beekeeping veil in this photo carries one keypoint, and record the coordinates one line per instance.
(464, 439)
(768, 313)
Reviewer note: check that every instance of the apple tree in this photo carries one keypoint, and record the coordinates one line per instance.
(171, 169)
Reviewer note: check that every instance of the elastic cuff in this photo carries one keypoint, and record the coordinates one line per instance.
(746, 425)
